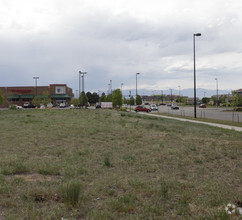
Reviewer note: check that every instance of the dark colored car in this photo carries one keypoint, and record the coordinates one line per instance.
(98, 105)
(141, 109)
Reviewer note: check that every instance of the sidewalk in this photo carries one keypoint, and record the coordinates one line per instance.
(198, 122)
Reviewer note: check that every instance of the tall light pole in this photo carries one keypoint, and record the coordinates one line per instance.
(217, 91)
(121, 86)
(108, 88)
(171, 95)
(179, 91)
(82, 75)
(35, 78)
(195, 96)
(76, 94)
(136, 84)
(162, 96)
(111, 87)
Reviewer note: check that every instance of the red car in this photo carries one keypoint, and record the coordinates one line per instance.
(202, 106)
(141, 109)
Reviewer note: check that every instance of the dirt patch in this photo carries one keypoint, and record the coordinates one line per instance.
(36, 177)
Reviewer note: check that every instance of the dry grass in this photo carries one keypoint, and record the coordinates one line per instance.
(129, 166)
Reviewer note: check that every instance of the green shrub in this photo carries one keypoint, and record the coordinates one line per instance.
(71, 193)
(12, 107)
(123, 109)
(107, 162)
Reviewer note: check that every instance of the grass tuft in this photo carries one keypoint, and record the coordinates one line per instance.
(71, 193)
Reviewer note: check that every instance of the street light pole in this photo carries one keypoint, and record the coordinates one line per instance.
(136, 84)
(171, 95)
(195, 96)
(162, 96)
(82, 75)
(35, 78)
(111, 87)
(217, 91)
(121, 86)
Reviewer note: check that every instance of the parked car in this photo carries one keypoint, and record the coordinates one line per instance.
(174, 106)
(153, 107)
(162, 104)
(28, 105)
(202, 106)
(140, 108)
(98, 105)
(49, 105)
(62, 105)
(18, 107)
(72, 106)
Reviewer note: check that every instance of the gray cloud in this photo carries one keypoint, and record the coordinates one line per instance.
(58, 40)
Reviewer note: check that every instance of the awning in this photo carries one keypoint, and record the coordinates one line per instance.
(30, 96)
(64, 96)
(13, 96)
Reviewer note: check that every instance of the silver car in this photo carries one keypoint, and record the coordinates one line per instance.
(153, 107)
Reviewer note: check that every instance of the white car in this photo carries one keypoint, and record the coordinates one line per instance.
(72, 106)
(62, 105)
(49, 105)
(18, 107)
(153, 107)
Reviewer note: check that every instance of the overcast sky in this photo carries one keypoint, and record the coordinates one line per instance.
(115, 39)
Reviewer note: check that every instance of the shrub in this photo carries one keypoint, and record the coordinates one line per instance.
(71, 193)
(123, 109)
(107, 162)
(12, 107)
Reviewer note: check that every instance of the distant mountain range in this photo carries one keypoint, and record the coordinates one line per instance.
(185, 92)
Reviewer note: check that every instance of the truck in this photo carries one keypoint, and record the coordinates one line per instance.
(104, 105)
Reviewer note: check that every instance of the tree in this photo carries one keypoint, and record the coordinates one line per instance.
(205, 100)
(138, 100)
(36, 101)
(75, 102)
(131, 100)
(89, 97)
(83, 99)
(103, 97)
(45, 99)
(109, 98)
(117, 98)
(236, 99)
(95, 98)
(1, 98)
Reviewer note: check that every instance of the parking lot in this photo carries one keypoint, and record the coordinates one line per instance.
(207, 113)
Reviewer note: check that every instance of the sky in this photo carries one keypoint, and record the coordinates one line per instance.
(114, 40)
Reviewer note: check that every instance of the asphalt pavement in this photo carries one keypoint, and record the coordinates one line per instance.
(204, 113)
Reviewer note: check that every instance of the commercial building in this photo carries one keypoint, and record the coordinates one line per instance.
(59, 93)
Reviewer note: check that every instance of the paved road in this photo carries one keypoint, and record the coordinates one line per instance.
(209, 113)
